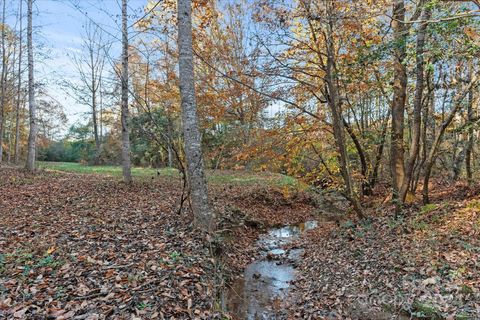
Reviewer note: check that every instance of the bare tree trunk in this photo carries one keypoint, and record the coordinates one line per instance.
(426, 120)
(469, 148)
(3, 80)
(417, 105)
(11, 102)
(169, 143)
(458, 160)
(366, 187)
(9, 149)
(126, 165)
(32, 137)
(457, 103)
(94, 110)
(19, 88)
(374, 175)
(337, 118)
(90, 66)
(100, 120)
(399, 96)
(204, 217)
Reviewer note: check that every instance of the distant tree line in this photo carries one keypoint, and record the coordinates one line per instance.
(359, 94)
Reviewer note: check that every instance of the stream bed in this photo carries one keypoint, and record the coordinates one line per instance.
(258, 294)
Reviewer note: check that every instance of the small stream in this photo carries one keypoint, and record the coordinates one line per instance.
(265, 282)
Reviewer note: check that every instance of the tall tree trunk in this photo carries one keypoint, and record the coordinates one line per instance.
(469, 149)
(417, 105)
(457, 103)
(10, 134)
(94, 109)
(426, 120)
(32, 137)
(126, 165)
(100, 120)
(399, 96)
(204, 217)
(19, 89)
(337, 118)
(3, 80)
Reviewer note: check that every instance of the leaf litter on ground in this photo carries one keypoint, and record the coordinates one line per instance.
(90, 247)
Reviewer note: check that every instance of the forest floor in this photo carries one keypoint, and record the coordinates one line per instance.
(75, 245)
(87, 246)
(424, 264)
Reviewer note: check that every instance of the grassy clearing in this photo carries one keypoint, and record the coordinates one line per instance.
(215, 177)
(114, 171)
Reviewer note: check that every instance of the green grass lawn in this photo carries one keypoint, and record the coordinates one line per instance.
(216, 177)
(115, 171)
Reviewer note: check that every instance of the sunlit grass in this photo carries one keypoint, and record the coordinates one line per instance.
(250, 178)
(115, 171)
(220, 177)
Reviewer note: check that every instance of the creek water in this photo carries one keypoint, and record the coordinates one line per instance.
(259, 292)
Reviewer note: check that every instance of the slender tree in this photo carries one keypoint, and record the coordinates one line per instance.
(126, 164)
(3, 80)
(333, 101)
(399, 98)
(90, 66)
(19, 86)
(456, 106)
(204, 218)
(469, 148)
(32, 137)
(417, 105)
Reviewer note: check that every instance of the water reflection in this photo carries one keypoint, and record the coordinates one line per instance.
(250, 297)
(265, 281)
(293, 230)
